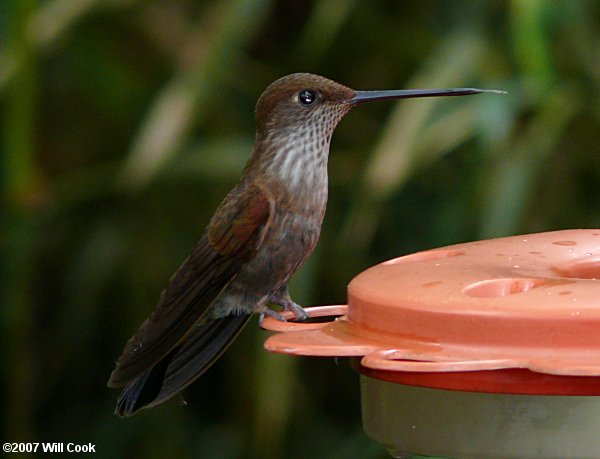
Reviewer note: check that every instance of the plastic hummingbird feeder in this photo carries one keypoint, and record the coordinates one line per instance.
(488, 349)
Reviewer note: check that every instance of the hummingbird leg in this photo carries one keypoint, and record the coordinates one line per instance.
(289, 305)
(282, 298)
(269, 312)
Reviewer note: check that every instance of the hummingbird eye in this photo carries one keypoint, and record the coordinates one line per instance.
(307, 97)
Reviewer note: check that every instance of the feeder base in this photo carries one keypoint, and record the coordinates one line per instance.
(411, 420)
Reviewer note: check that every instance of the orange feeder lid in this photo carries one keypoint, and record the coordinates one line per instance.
(516, 315)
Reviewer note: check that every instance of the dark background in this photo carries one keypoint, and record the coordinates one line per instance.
(124, 123)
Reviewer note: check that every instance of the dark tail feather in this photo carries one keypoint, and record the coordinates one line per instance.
(182, 366)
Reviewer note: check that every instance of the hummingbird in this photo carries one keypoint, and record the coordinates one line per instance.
(260, 235)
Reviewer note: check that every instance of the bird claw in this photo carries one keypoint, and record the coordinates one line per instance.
(275, 315)
(300, 315)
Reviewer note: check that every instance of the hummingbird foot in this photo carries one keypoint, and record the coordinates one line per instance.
(300, 315)
(270, 313)
(283, 300)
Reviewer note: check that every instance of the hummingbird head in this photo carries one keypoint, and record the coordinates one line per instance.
(295, 119)
(299, 103)
(302, 101)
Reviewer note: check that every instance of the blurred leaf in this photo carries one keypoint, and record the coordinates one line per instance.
(509, 186)
(187, 96)
(327, 17)
(399, 148)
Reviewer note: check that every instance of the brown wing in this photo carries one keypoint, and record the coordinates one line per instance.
(234, 235)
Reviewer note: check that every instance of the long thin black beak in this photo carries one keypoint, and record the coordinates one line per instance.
(366, 96)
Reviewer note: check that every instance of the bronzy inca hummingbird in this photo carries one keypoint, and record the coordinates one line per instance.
(260, 235)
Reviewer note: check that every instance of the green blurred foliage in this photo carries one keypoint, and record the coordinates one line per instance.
(125, 122)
